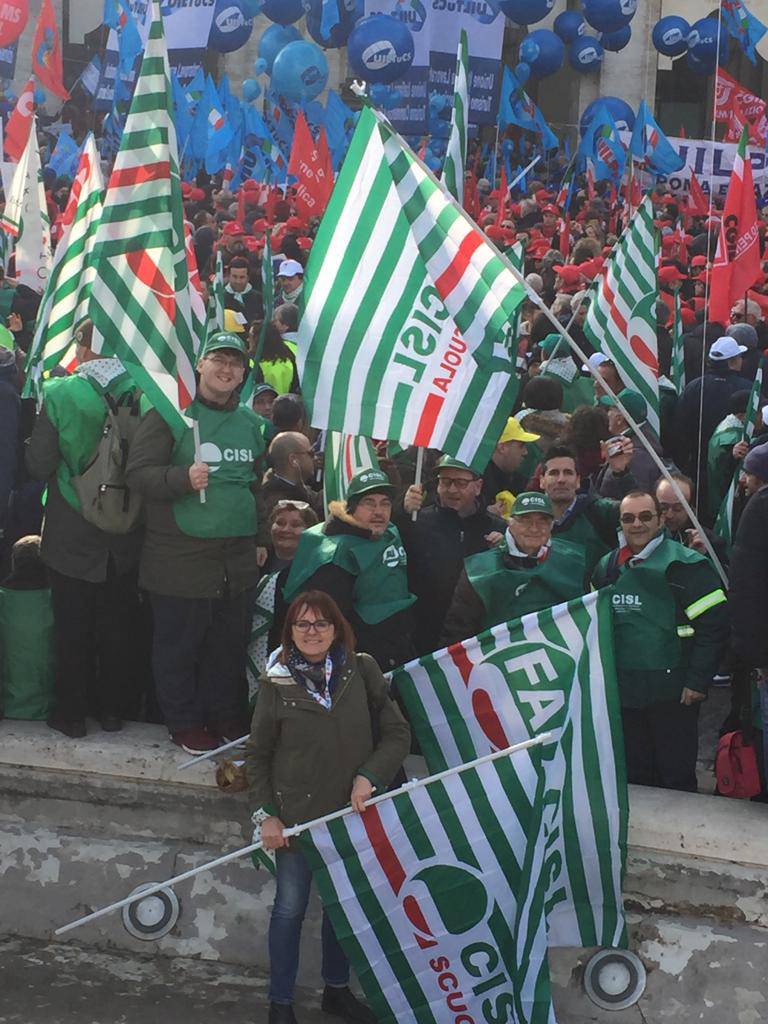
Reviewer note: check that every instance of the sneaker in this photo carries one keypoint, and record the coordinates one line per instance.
(721, 680)
(74, 728)
(342, 1003)
(281, 1013)
(227, 732)
(195, 740)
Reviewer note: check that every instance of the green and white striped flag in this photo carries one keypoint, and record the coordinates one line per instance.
(216, 319)
(407, 309)
(437, 897)
(456, 153)
(268, 302)
(724, 523)
(140, 300)
(621, 321)
(549, 671)
(25, 217)
(343, 458)
(678, 350)
(67, 293)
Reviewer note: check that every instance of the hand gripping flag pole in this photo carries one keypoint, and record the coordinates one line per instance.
(295, 830)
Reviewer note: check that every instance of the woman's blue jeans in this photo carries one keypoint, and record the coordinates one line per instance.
(294, 880)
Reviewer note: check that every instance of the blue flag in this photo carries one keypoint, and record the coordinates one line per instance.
(118, 16)
(65, 157)
(745, 28)
(650, 145)
(516, 107)
(339, 125)
(181, 113)
(601, 144)
(211, 133)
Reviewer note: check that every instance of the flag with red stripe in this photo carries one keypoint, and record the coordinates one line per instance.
(405, 332)
(621, 321)
(140, 299)
(344, 457)
(437, 896)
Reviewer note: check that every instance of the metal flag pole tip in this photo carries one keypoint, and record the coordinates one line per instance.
(296, 830)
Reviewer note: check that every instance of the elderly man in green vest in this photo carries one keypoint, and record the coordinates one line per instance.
(670, 625)
(200, 557)
(531, 570)
(358, 557)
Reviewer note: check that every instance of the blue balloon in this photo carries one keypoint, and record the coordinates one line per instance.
(670, 35)
(251, 90)
(231, 26)
(525, 12)
(522, 72)
(619, 109)
(272, 41)
(544, 51)
(380, 48)
(350, 12)
(609, 15)
(615, 41)
(570, 25)
(585, 54)
(284, 12)
(300, 71)
(702, 41)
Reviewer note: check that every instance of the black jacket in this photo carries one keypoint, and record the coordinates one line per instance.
(436, 545)
(718, 386)
(748, 593)
(275, 489)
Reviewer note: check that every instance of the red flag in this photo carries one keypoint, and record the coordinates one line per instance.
(501, 210)
(20, 122)
(736, 266)
(326, 164)
(312, 188)
(565, 236)
(47, 61)
(697, 200)
(590, 183)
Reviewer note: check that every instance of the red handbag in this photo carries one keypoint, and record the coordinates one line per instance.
(736, 767)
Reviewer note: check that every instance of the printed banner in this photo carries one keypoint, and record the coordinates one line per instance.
(708, 160)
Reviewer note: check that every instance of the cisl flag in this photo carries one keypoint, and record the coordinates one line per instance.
(20, 122)
(313, 170)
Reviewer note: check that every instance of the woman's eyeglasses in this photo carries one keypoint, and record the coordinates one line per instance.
(318, 626)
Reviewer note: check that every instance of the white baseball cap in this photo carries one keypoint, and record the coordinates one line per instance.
(288, 268)
(595, 360)
(726, 348)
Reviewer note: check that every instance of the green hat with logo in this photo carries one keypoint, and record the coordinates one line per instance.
(532, 501)
(632, 401)
(225, 339)
(550, 343)
(448, 462)
(367, 482)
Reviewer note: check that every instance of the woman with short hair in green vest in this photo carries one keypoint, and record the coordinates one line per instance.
(200, 558)
(670, 628)
(531, 570)
(358, 557)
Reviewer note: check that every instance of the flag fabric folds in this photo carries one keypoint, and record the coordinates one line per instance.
(551, 671)
(744, 27)
(456, 153)
(47, 60)
(25, 217)
(678, 348)
(407, 307)
(621, 321)
(650, 145)
(67, 293)
(602, 146)
(20, 122)
(724, 521)
(310, 164)
(140, 301)
(344, 457)
(437, 896)
(516, 107)
(736, 266)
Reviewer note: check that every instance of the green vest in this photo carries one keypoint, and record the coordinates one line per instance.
(579, 391)
(720, 462)
(76, 407)
(230, 443)
(582, 531)
(378, 565)
(507, 593)
(278, 373)
(26, 653)
(651, 634)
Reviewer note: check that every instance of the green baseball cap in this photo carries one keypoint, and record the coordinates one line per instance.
(632, 401)
(548, 344)
(532, 501)
(368, 481)
(448, 462)
(225, 339)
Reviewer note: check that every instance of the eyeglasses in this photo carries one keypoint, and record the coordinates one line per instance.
(671, 507)
(286, 503)
(308, 626)
(234, 361)
(642, 517)
(461, 483)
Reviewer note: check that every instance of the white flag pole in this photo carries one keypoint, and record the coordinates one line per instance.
(213, 753)
(417, 478)
(523, 173)
(198, 456)
(295, 830)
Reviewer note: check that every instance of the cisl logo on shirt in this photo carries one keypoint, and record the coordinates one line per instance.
(214, 456)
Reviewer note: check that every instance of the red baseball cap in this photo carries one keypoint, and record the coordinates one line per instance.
(699, 261)
(253, 244)
(294, 224)
(304, 243)
(671, 273)
(233, 227)
(542, 195)
(687, 316)
(197, 195)
(186, 188)
(569, 272)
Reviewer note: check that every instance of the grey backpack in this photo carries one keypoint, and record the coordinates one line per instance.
(105, 499)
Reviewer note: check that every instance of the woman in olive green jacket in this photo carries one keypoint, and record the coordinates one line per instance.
(325, 733)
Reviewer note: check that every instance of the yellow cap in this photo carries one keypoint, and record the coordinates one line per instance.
(233, 322)
(514, 432)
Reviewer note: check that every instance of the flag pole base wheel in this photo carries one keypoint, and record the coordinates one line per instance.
(153, 917)
(614, 979)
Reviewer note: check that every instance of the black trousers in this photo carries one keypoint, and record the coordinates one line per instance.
(661, 744)
(198, 659)
(97, 627)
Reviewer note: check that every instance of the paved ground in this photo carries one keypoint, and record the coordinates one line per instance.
(66, 984)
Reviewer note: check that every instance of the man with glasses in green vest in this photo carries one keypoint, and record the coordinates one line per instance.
(670, 626)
